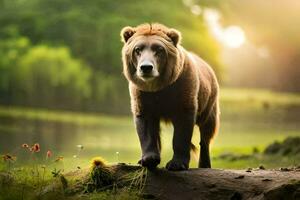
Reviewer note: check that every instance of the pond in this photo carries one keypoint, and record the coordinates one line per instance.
(114, 137)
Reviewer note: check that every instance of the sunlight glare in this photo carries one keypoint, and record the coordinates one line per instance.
(233, 36)
(196, 10)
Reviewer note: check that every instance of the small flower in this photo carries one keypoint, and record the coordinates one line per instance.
(36, 148)
(80, 146)
(59, 158)
(25, 145)
(117, 154)
(74, 156)
(8, 157)
(49, 154)
(98, 162)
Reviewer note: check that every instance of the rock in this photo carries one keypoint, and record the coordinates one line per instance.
(240, 177)
(285, 191)
(249, 170)
(284, 169)
(273, 148)
(261, 167)
(290, 146)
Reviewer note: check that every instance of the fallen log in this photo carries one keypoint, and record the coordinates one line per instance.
(215, 184)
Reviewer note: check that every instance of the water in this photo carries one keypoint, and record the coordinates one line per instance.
(105, 136)
(63, 138)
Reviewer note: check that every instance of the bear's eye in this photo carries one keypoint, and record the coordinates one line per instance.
(137, 50)
(159, 49)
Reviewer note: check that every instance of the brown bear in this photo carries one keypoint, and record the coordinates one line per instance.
(166, 82)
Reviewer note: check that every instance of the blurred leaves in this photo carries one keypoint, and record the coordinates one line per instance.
(66, 54)
(45, 73)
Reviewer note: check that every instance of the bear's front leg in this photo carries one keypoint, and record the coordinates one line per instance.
(148, 132)
(183, 131)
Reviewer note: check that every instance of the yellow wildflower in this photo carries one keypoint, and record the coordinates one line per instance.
(98, 162)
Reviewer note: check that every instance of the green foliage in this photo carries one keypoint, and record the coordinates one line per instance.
(52, 75)
(89, 31)
(10, 51)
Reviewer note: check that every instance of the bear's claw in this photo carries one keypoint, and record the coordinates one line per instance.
(176, 165)
(150, 161)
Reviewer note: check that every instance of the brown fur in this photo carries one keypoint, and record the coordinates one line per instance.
(186, 87)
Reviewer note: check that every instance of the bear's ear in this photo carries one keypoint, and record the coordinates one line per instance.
(126, 33)
(175, 36)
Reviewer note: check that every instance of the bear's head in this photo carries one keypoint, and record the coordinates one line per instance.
(152, 56)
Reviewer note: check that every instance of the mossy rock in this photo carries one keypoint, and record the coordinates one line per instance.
(289, 147)
(102, 176)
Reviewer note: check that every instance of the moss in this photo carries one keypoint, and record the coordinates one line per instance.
(102, 176)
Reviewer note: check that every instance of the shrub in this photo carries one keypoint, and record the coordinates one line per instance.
(50, 76)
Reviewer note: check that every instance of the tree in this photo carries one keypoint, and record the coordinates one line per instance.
(10, 51)
(50, 77)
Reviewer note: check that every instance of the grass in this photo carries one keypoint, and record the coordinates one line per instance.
(259, 96)
(254, 98)
(39, 182)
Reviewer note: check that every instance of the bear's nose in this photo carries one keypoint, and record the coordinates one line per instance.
(146, 68)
